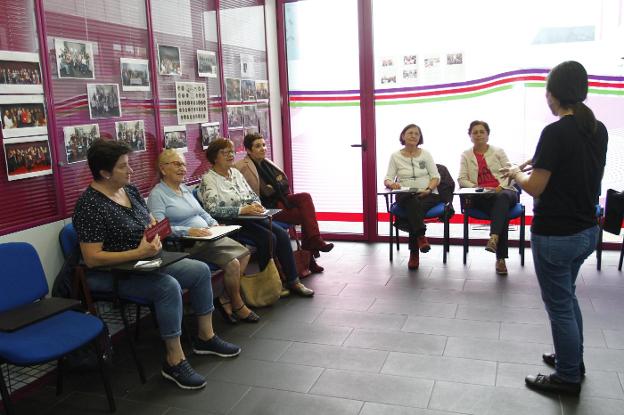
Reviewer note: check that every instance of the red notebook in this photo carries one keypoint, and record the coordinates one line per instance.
(162, 228)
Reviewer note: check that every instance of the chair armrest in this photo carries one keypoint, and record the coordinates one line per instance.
(28, 314)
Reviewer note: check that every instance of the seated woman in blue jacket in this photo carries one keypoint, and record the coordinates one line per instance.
(172, 199)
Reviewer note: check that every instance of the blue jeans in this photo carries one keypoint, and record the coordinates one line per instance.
(557, 261)
(164, 290)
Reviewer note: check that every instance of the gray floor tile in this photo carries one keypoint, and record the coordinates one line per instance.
(596, 383)
(217, 397)
(78, 403)
(371, 408)
(325, 286)
(379, 291)
(397, 341)
(610, 360)
(452, 327)
(415, 308)
(260, 401)
(614, 338)
(335, 357)
(488, 400)
(523, 300)
(440, 368)
(462, 297)
(508, 314)
(335, 302)
(359, 319)
(303, 332)
(296, 378)
(541, 333)
(261, 349)
(452, 284)
(592, 406)
(494, 350)
(374, 388)
(297, 310)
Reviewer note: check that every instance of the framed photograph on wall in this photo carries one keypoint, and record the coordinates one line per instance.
(20, 73)
(235, 116)
(248, 90)
(74, 59)
(104, 101)
(27, 157)
(250, 119)
(207, 64)
(175, 137)
(210, 131)
(233, 89)
(192, 102)
(134, 74)
(23, 115)
(169, 60)
(262, 90)
(248, 69)
(131, 133)
(78, 138)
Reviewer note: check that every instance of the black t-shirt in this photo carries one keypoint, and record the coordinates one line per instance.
(576, 163)
(99, 219)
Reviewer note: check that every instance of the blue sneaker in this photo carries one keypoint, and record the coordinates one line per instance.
(183, 375)
(215, 346)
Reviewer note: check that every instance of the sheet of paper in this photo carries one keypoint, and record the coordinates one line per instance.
(216, 232)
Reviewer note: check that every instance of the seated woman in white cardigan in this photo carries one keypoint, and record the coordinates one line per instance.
(480, 167)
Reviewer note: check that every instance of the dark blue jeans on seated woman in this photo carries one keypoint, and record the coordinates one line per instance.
(497, 206)
(557, 262)
(260, 232)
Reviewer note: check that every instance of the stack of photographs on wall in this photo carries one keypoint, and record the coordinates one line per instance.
(23, 117)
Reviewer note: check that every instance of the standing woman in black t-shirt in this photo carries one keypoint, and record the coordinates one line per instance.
(567, 170)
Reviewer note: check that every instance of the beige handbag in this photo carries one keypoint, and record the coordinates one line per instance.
(263, 288)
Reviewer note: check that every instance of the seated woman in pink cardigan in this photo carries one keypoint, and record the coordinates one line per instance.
(271, 184)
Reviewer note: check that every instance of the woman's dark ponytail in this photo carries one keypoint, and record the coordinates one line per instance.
(585, 119)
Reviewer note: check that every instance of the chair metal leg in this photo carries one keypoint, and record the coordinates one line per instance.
(4, 393)
(59, 376)
(104, 373)
(445, 240)
(390, 242)
(621, 257)
(128, 336)
(599, 250)
(465, 237)
(522, 236)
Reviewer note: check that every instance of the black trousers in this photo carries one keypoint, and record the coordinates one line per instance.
(416, 209)
(497, 206)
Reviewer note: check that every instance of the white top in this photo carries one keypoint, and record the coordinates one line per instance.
(495, 158)
(412, 172)
(223, 197)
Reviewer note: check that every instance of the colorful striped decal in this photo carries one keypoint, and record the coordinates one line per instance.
(604, 85)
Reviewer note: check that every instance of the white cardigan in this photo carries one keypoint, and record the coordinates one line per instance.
(495, 158)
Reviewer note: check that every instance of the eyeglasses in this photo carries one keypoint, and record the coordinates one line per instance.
(177, 164)
(226, 152)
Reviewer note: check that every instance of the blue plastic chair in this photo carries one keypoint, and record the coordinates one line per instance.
(22, 283)
(516, 211)
(442, 211)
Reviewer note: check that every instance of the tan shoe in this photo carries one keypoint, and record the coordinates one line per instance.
(414, 260)
(301, 290)
(501, 267)
(492, 244)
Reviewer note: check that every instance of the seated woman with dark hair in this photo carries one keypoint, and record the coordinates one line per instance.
(413, 167)
(480, 167)
(172, 199)
(271, 184)
(226, 195)
(110, 218)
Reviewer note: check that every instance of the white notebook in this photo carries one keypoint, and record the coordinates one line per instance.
(216, 232)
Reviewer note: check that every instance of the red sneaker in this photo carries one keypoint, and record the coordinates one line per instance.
(414, 260)
(423, 244)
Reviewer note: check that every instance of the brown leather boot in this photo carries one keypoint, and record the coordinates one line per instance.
(423, 244)
(414, 260)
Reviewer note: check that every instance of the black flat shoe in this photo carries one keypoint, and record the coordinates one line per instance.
(550, 359)
(250, 318)
(229, 318)
(552, 383)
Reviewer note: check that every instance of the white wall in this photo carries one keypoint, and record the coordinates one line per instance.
(45, 239)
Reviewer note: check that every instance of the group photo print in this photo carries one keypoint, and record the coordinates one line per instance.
(131, 133)
(169, 60)
(22, 115)
(103, 101)
(27, 157)
(77, 139)
(134, 74)
(20, 73)
(74, 59)
(175, 137)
